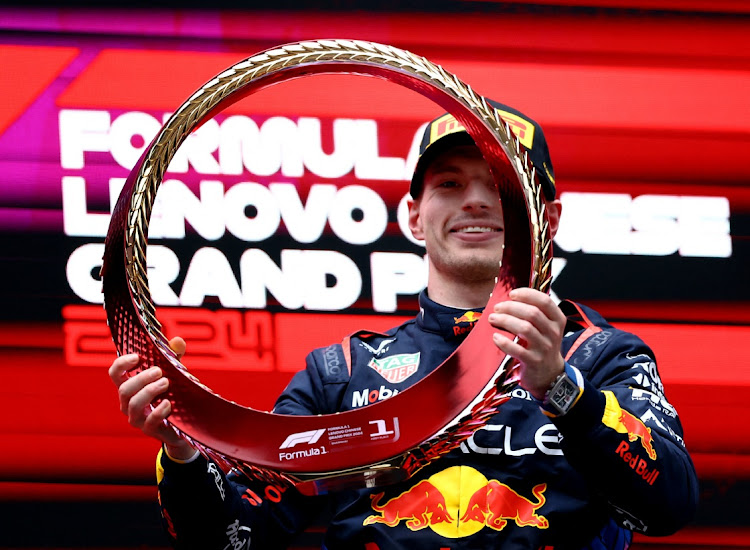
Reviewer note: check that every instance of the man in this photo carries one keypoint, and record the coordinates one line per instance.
(566, 463)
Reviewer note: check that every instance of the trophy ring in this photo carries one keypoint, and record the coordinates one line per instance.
(470, 385)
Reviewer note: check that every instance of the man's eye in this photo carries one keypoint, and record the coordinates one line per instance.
(449, 183)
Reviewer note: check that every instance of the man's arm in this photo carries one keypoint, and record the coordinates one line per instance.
(621, 434)
(626, 438)
(202, 507)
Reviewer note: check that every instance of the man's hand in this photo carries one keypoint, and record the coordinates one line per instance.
(539, 324)
(139, 392)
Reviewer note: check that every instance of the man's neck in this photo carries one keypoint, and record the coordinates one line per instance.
(460, 296)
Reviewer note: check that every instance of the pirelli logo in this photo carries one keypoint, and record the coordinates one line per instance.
(447, 124)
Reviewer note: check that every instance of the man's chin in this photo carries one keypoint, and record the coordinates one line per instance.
(476, 268)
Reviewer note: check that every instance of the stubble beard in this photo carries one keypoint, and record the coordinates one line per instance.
(467, 266)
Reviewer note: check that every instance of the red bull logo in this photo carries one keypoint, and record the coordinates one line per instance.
(625, 423)
(469, 317)
(496, 503)
(636, 430)
(437, 502)
(640, 466)
(420, 506)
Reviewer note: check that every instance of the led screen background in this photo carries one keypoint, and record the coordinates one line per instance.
(648, 122)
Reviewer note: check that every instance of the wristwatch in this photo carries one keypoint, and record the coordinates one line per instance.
(564, 392)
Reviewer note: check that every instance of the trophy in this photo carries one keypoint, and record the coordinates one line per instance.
(383, 442)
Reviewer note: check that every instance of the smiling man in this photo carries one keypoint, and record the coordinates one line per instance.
(567, 463)
(460, 218)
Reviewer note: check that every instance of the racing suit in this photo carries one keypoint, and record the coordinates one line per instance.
(614, 464)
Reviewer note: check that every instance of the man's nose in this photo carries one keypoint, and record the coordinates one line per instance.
(480, 193)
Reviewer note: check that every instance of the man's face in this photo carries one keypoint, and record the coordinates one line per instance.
(459, 216)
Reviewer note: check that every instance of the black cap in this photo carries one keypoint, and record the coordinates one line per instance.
(445, 132)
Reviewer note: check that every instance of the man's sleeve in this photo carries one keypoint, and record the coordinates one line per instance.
(626, 439)
(203, 508)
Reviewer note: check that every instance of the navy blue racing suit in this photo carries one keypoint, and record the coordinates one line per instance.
(616, 463)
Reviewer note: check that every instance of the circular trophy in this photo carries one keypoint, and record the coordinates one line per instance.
(381, 443)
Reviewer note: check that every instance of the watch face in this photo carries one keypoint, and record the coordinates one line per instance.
(563, 394)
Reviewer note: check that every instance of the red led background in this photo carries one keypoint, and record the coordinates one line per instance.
(640, 98)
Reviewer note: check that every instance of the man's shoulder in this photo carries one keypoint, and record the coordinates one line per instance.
(583, 316)
(588, 333)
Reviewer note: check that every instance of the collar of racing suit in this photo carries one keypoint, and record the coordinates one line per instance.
(450, 322)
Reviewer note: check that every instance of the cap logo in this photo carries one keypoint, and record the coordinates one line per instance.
(447, 124)
(523, 129)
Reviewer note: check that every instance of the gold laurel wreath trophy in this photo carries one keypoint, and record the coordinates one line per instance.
(470, 385)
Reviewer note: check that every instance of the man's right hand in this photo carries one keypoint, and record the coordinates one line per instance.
(137, 394)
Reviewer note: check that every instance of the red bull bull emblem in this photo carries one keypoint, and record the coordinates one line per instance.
(419, 507)
(437, 501)
(625, 423)
(496, 503)
(470, 318)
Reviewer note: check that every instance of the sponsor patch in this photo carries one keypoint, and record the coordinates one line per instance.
(396, 368)
(623, 422)
(440, 503)
(447, 124)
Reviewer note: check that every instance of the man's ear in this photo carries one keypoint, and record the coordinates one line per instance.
(554, 210)
(415, 220)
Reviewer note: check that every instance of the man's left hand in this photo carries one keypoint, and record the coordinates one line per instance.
(539, 324)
